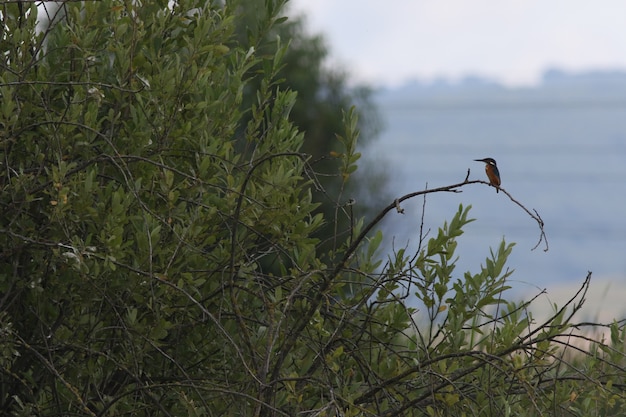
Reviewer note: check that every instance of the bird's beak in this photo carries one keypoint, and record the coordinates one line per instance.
(479, 160)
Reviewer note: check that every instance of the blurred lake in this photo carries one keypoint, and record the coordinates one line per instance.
(561, 149)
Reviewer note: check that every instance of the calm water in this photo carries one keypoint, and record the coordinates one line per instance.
(564, 158)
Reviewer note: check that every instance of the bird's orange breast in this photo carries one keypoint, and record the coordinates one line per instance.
(493, 176)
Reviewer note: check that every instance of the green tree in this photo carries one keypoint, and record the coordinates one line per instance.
(135, 228)
(324, 94)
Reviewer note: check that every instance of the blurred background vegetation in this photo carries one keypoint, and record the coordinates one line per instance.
(324, 94)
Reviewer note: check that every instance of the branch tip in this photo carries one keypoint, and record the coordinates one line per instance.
(398, 208)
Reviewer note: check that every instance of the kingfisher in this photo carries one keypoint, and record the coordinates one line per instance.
(491, 168)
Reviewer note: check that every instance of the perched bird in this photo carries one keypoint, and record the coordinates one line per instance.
(491, 168)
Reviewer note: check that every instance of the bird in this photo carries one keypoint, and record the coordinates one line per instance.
(491, 168)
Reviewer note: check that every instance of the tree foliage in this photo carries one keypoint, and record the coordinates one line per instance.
(135, 228)
(324, 93)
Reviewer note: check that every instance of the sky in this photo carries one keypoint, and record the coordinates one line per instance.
(513, 42)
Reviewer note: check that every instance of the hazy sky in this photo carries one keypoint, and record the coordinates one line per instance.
(388, 42)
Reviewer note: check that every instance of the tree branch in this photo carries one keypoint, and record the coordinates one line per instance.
(454, 188)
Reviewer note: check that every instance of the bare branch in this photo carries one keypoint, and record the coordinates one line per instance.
(454, 188)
